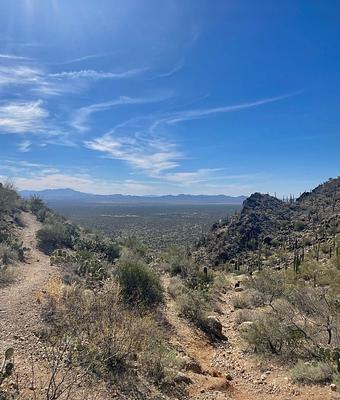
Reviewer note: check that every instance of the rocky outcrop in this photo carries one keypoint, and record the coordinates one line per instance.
(266, 223)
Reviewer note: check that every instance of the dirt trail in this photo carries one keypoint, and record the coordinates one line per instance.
(19, 307)
(250, 378)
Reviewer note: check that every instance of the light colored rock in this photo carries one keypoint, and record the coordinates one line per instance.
(245, 326)
(333, 387)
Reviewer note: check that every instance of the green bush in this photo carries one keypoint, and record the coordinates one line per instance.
(139, 284)
(36, 205)
(195, 306)
(57, 235)
(268, 334)
(312, 373)
(99, 244)
(250, 298)
(271, 284)
(9, 199)
(83, 263)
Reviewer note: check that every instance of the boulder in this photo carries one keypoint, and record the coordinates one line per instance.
(181, 378)
(215, 327)
(194, 366)
(245, 326)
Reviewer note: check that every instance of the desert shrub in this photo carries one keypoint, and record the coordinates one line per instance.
(138, 249)
(312, 372)
(111, 339)
(36, 205)
(178, 262)
(112, 251)
(82, 263)
(195, 306)
(270, 283)
(269, 334)
(197, 279)
(250, 298)
(219, 286)
(99, 244)
(9, 199)
(299, 225)
(7, 276)
(8, 254)
(244, 316)
(139, 284)
(57, 235)
(176, 287)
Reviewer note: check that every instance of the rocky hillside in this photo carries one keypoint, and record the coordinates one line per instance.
(268, 228)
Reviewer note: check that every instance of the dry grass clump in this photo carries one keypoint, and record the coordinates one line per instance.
(244, 316)
(7, 276)
(119, 344)
(250, 298)
(312, 373)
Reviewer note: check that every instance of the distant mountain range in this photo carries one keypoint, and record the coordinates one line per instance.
(53, 196)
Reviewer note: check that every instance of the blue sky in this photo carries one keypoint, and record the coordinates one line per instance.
(156, 97)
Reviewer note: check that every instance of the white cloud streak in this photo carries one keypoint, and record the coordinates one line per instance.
(83, 58)
(96, 75)
(152, 156)
(13, 57)
(82, 115)
(22, 117)
(24, 146)
(181, 116)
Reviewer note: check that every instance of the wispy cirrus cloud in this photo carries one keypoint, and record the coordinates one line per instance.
(156, 158)
(22, 117)
(81, 116)
(144, 151)
(83, 58)
(151, 156)
(33, 78)
(24, 146)
(187, 115)
(191, 177)
(38, 80)
(170, 72)
(13, 57)
(96, 75)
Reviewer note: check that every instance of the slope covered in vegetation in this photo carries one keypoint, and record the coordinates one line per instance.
(100, 319)
(268, 228)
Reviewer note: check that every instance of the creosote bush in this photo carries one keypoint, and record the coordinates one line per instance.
(312, 372)
(139, 283)
(57, 235)
(250, 298)
(299, 317)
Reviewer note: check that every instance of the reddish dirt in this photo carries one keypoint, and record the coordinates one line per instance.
(250, 377)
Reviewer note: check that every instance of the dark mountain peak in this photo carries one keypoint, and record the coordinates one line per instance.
(261, 202)
(268, 221)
